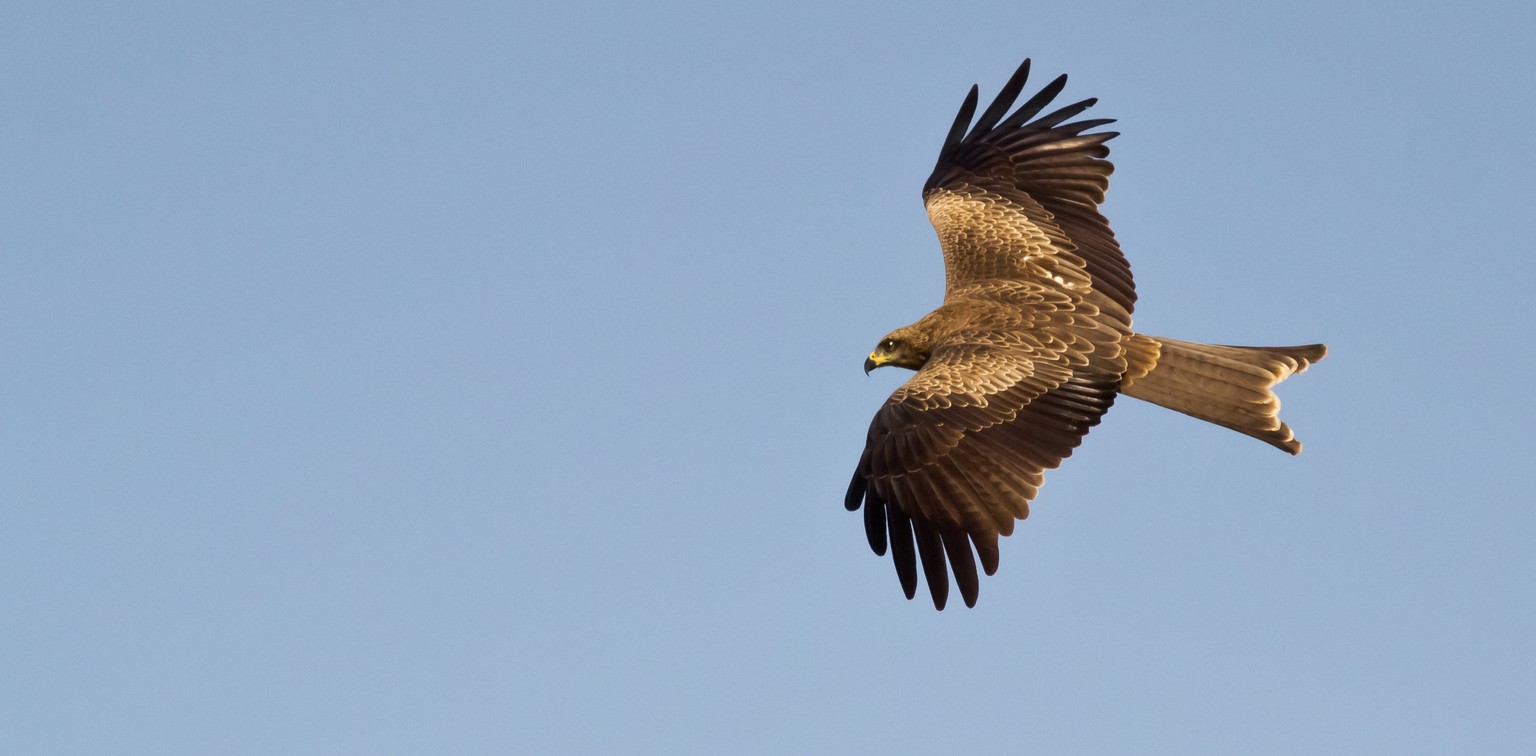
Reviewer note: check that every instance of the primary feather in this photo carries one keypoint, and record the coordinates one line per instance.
(1027, 352)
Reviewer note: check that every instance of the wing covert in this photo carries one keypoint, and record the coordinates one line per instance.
(1031, 186)
(1025, 355)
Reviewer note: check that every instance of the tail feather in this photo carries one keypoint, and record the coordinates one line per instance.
(1230, 386)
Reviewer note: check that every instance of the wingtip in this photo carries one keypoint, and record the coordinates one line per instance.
(874, 524)
(958, 129)
(1033, 105)
(856, 489)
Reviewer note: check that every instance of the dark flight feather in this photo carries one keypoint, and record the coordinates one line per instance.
(1031, 347)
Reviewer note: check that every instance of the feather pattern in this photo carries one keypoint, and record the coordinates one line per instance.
(1030, 348)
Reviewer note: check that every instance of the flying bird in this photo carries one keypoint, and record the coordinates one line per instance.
(1030, 347)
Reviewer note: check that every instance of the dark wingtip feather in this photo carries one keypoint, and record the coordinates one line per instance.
(1002, 102)
(1065, 112)
(930, 548)
(1036, 103)
(986, 551)
(962, 564)
(1078, 127)
(874, 524)
(902, 554)
(962, 120)
(855, 493)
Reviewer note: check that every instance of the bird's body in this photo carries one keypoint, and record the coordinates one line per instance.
(1030, 347)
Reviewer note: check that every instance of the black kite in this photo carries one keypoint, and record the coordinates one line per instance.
(1030, 348)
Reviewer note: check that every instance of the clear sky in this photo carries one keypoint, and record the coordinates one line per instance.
(485, 378)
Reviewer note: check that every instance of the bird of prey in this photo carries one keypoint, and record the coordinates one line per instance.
(1030, 347)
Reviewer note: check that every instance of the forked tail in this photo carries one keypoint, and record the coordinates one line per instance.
(1230, 386)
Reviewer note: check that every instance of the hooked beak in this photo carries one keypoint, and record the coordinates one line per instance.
(870, 364)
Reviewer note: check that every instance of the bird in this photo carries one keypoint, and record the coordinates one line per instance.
(1030, 347)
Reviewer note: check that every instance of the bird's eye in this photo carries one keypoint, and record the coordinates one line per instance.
(888, 346)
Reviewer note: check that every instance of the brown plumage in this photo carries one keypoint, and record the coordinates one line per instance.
(1030, 347)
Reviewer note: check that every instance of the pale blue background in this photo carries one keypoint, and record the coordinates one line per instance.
(484, 378)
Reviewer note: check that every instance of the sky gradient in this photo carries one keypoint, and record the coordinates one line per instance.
(485, 378)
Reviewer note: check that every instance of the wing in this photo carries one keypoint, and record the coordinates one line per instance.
(1040, 179)
(956, 454)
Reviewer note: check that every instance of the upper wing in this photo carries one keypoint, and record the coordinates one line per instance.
(1011, 187)
(957, 453)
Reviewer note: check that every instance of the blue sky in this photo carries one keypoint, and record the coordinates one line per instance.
(485, 378)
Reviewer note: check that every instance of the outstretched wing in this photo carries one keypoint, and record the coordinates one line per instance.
(956, 454)
(1013, 176)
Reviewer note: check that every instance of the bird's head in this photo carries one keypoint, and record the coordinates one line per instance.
(903, 347)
